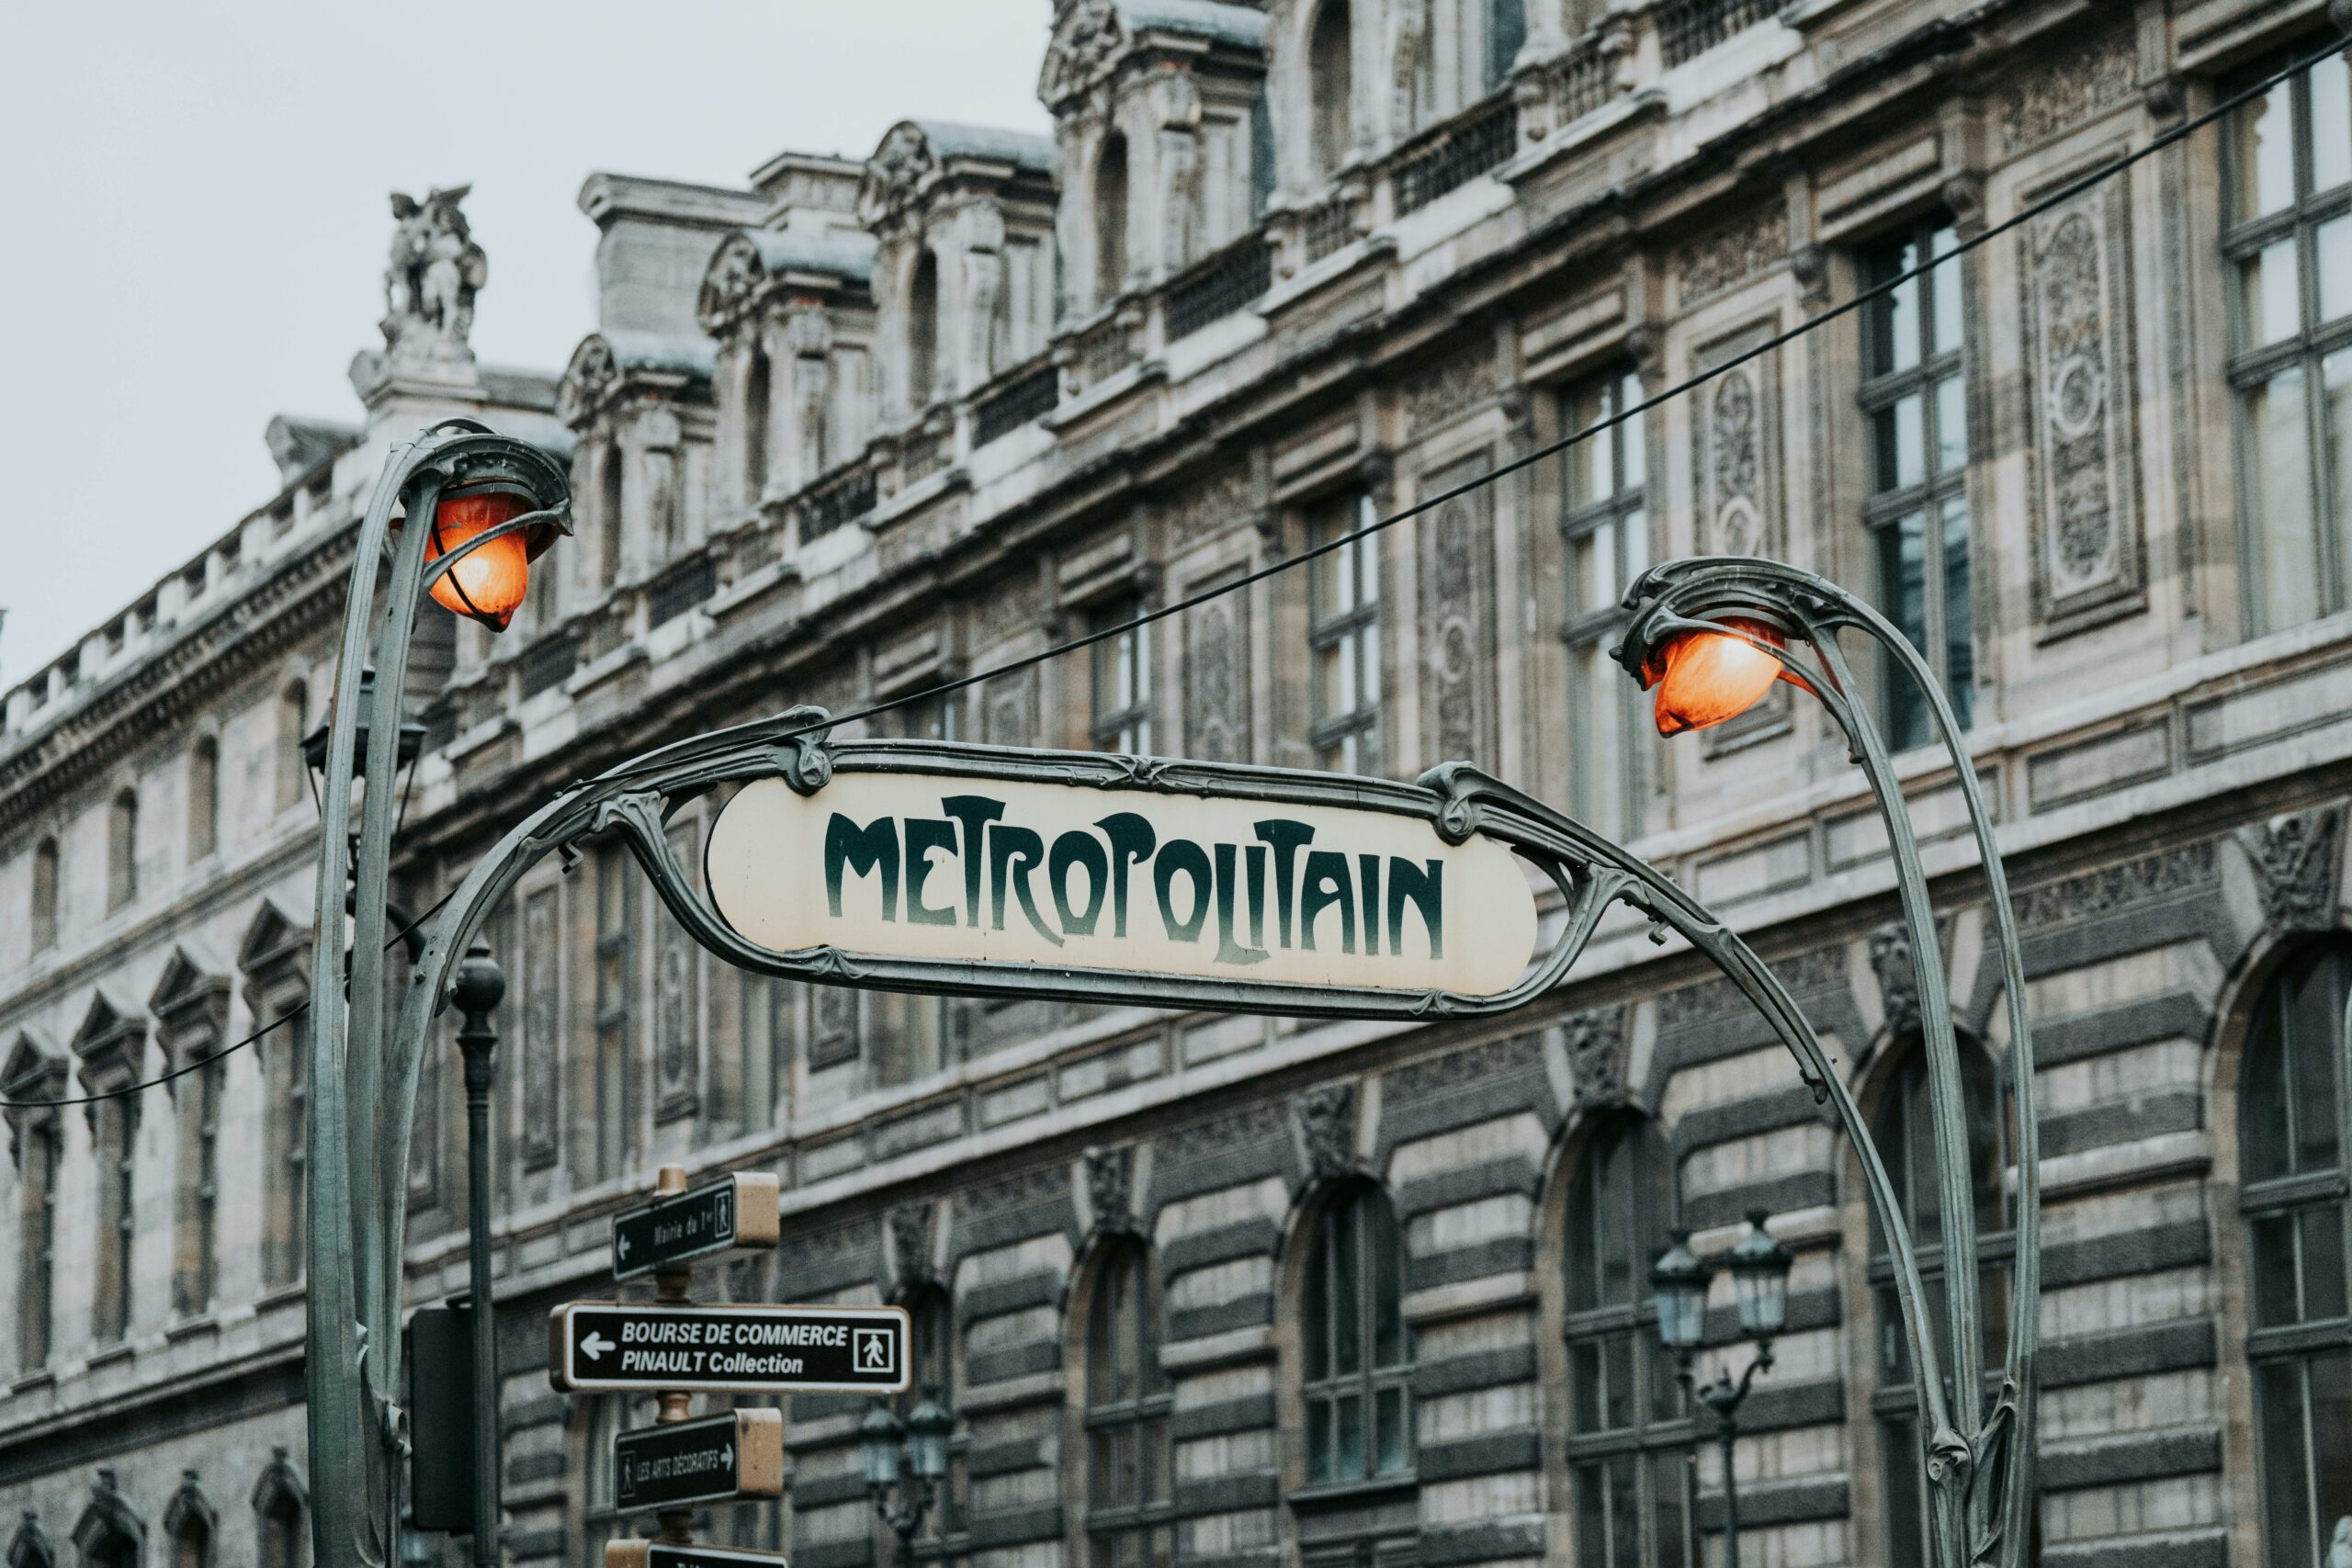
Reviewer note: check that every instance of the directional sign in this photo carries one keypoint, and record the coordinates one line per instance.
(606, 1346)
(716, 1460)
(661, 1554)
(733, 1214)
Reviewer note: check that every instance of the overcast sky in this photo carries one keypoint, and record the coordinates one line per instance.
(195, 216)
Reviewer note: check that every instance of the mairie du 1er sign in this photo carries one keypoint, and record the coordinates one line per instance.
(1074, 877)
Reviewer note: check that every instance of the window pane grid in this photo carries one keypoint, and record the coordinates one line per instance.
(1605, 533)
(1343, 638)
(1129, 1485)
(1914, 414)
(1357, 1392)
(2288, 189)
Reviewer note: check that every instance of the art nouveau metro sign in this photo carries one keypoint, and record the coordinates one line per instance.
(1070, 877)
(990, 871)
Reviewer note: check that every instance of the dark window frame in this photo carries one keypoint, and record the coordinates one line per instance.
(2253, 366)
(1622, 514)
(1124, 1533)
(1890, 501)
(1360, 1213)
(1346, 738)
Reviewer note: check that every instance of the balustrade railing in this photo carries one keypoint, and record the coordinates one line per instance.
(549, 664)
(1106, 349)
(1453, 155)
(843, 497)
(1329, 226)
(680, 589)
(1688, 28)
(1584, 81)
(1028, 396)
(1219, 285)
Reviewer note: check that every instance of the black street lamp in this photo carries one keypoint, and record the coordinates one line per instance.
(1760, 1272)
(904, 1464)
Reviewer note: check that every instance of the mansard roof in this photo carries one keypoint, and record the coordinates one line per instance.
(605, 359)
(915, 154)
(1022, 149)
(746, 260)
(1093, 36)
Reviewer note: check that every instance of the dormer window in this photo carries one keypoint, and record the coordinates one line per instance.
(1331, 77)
(922, 331)
(1110, 219)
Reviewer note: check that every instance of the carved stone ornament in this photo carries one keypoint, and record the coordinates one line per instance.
(1437, 395)
(1086, 44)
(1457, 624)
(895, 175)
(2087, 552)
(588, 381)
(1327, 1121)
(730, 285)
(910, 1244)
(1899, 977)
(1595, 1040)
(1216, 716)
(2069, 88)
(431, 277)
(2295, 860)
(1110, 1178)
(1734, 253)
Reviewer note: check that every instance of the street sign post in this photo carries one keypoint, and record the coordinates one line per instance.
(609, 1347)
(663, 1554)
(716, 1460)
(735, 1213)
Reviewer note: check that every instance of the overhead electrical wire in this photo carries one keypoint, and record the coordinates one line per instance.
(2057, 198)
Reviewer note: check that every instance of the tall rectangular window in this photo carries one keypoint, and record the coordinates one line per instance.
(2287, 238)
(1605, 526)
(1343, 635)
(114, 1133)
(203, 798)
(616, 902)
(44, 910)
(199, 1110)
(1915, 406)
(1122, 681)
(37, 1238)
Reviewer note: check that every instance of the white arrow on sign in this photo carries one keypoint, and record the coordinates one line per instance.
(596, 1344)
(727, 1457)
(621, 1246)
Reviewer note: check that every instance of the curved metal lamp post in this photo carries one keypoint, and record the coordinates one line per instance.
(473, 507)
(1713, 634)
(477, 490)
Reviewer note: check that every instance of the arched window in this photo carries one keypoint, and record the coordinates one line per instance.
(281, 1507)
(1110, 219)
(190, 1524)
(1331, 86)
(44, 910)
(2292, 1185)
(758, 390)
(610, 519)
(1626, 1425)
(1359, 1357)
(1129, 1523)
(123, 850)
(923, 332)
(293, 723)
(109, 1534)
(1903, 1128)
(203, 798)
(31, 1547)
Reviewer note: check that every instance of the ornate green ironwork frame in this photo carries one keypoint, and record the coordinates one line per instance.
(1979, 1458)
(365, 1083)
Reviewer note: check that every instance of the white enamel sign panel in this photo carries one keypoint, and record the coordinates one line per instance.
(1071, 877)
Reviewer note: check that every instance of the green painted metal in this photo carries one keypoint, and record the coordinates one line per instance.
(1979, 1457)
(365, 1083)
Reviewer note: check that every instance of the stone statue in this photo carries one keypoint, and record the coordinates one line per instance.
(432, 275)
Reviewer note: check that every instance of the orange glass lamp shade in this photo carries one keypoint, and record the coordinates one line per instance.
(1704, 678)
(487, 584)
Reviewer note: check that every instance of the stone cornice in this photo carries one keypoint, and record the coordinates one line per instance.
(299, 595)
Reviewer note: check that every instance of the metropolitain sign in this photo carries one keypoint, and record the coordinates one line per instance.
(1065, 878)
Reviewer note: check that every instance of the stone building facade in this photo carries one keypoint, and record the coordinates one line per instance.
(1231, 1290)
